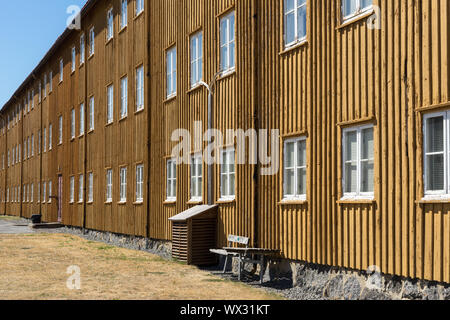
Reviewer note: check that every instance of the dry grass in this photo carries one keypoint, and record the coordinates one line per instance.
(33, 267)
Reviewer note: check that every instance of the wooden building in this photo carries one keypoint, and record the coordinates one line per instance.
(359, 92)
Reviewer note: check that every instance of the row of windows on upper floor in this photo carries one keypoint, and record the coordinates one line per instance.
(13, 195)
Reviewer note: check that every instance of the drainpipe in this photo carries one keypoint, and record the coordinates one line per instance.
(256, 176)
(5, 124)
(210, 88)
(85, 177)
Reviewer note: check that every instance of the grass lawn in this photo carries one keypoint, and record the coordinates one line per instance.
(34, 267)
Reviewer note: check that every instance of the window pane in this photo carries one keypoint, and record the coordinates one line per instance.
(366, 4)
(301, 154)
(351, 146)
(349, 7)
(301, 22)
(435, 135)
(288, 5)
(289, 157)
(232, 184)
(301, 182)
(367, 178)
(435, 172)
(290, 182)
(367, 144)
(351, 178)
(289, 28)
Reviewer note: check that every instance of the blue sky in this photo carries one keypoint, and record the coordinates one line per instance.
(28, 28)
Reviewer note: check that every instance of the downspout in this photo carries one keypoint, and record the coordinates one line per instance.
(4, 158)
(85, 178)
(149, 122)
(256, 176)
(21, 160)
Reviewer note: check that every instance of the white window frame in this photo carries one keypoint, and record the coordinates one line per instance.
(82, 50)
(80, 188)
(61, 70)
(139, 7)
(140, 95)
(358, 195)
(110, 104)
(50, 192)
(50, 82)
(359, 11)
(91, 114)
(123, 184)
(32, 145)
(91, 42)
(74, 56)
(227, 42)
(171, 180)
(72, 189)
(109, 24)
(196, 58)
(81, 129)
(445, 193)
(139, 183)
(44, 138)
(44, 195)
(123, 14)
(297, 196)
(109, 186)
(196, 178)
(91, 187)
(297, 38)
(123, 97)
(72, 124)
(50, 137)
(225, 160)
(171, 72)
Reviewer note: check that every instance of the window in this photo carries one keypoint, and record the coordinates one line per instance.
(49, 192)
(196, 58)
(358, 160)
(123, 14)
(352, 8)
(294, 187)
(140, 88)
(72, 124)
(24, 194)
(123, 97)
(139, 183)
(29, 145)
(171, 62)
(197, 178)
(32, 145)
(60, 138)
(227, 42)
(61, 70)
(82, 49)
(436, 155)
(45, 140)
(227, 175)
(32, 101)
(171, 180)
(32, 192)
(45, 85)
(110, 104)
(50, 81)
(91, 114)
(91, 187)
(50, 136)
(110, 24)
(39, 193)
(40, 91)
(139, 6)
(109, 185)
(72, 189)
(91, 42)
(44, 196)
(74, 54)
(294, 21)
(39, 142)
(80, 188)
(81, 119)
(123, 184)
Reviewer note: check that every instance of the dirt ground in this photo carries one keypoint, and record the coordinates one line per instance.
(34, 267)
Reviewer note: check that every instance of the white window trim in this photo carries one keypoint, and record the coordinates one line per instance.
(227, 197)
(139, 184)
(123, 14)
(109, 14)
(137, 10)
(91, 187)
(82, 124)
(349, 196)
(109, 186)
(198, 58)
(82, 49)
(297, 40)
(91, 42)
(74, 57)
(110, 104)
(81, 188)
(72, 189)
(444, 194)
(91, 114)
(171, 53)
(227, 43)
(194, 161)
(123, 185)
(140, 88)
(61, 70)
(355, 15)
(123, 97)
(301, 197)
(171, 162)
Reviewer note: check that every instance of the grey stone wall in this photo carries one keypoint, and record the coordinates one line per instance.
(309, 281)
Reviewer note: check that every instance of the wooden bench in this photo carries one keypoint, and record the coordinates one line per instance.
(257, 256)
(243, 241)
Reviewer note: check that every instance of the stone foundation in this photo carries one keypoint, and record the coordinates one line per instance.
(161, 248)
(312, 281)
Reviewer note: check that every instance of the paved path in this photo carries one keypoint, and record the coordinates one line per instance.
(16, 226)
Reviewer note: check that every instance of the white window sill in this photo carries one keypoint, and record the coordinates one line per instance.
(227, 72)
(293, 199)
(295, 43)
(436, 198)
